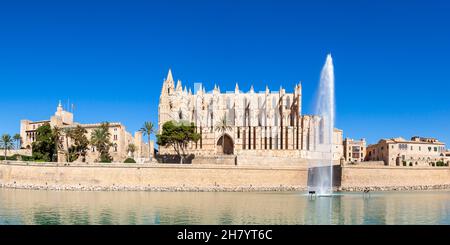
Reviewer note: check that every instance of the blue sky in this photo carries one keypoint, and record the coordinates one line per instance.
(110, 57)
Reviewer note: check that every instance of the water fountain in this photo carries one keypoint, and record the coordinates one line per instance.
(320, 179)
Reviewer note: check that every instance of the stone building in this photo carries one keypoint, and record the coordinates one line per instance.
(266, 123)
(354, 150)
(418, 151)
(446, 157)
(120, 137)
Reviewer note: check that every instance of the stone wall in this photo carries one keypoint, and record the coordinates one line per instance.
(151, 177)
(355, 177)
(219, 177)
(366, 163)
(270, 161)
(220, 160)
(23, 152)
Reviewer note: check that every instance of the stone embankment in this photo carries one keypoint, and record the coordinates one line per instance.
(214, 177)
(395, 188)
(152, 177)
(154, 189)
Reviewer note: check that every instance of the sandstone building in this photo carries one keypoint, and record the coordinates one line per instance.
(354, 150)
(418, 151)
(120, 137)
(266, 123)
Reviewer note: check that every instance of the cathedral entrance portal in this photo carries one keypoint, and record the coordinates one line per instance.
(227, 143)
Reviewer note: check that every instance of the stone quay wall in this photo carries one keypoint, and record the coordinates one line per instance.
(155, 177)
(215, 177)
(379, 177)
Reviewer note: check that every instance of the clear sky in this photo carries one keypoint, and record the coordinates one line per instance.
(109, 58)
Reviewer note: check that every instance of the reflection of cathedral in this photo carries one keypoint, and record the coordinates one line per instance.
(263, 123)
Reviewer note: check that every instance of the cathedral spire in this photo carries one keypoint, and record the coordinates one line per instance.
(168, 84)
(282, 90)
(59, 108)
(236, 89)
(179, 87)
(267, 89)
(251, 89)
(199, 89)
(169, 76)
(298, 88)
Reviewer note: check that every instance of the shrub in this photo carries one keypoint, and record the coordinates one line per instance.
(17, 157)
(9, 158)
(105, 159)
(26, 158)
(410, 164)
(129, 160)
(440, 164)
(404, 163)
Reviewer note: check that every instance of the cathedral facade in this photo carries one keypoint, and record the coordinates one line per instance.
(266, 123)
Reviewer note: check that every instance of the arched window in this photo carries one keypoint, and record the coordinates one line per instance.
(230, 117)
(245, 112)
(276, 118)
(212, 119)
(262, 118)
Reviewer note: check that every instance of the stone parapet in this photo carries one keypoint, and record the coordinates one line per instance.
(392, 177)
(162, 177)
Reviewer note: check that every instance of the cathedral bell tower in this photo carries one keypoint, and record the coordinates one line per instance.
(165, 104)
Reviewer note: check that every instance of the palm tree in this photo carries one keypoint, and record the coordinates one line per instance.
(68, 132)
(132, 149)
(6, 142)
(18, 140)
(148, 130)
(57, 133)
(100, 139)
(222, 126)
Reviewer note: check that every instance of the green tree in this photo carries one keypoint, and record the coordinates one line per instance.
(68, 134)
(132, 149)
(222, 127)
(57, 133)
(18, 140)
(178, 135)
(129, 160)
(148, 130)
(43, 148)
(6, 142)
(80, 144)
(100, 138)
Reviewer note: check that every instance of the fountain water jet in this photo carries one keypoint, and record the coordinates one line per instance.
(320, 177)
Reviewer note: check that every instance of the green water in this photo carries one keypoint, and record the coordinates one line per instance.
(72, 207)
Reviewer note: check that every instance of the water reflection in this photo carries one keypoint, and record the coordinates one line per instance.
(65, 207)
